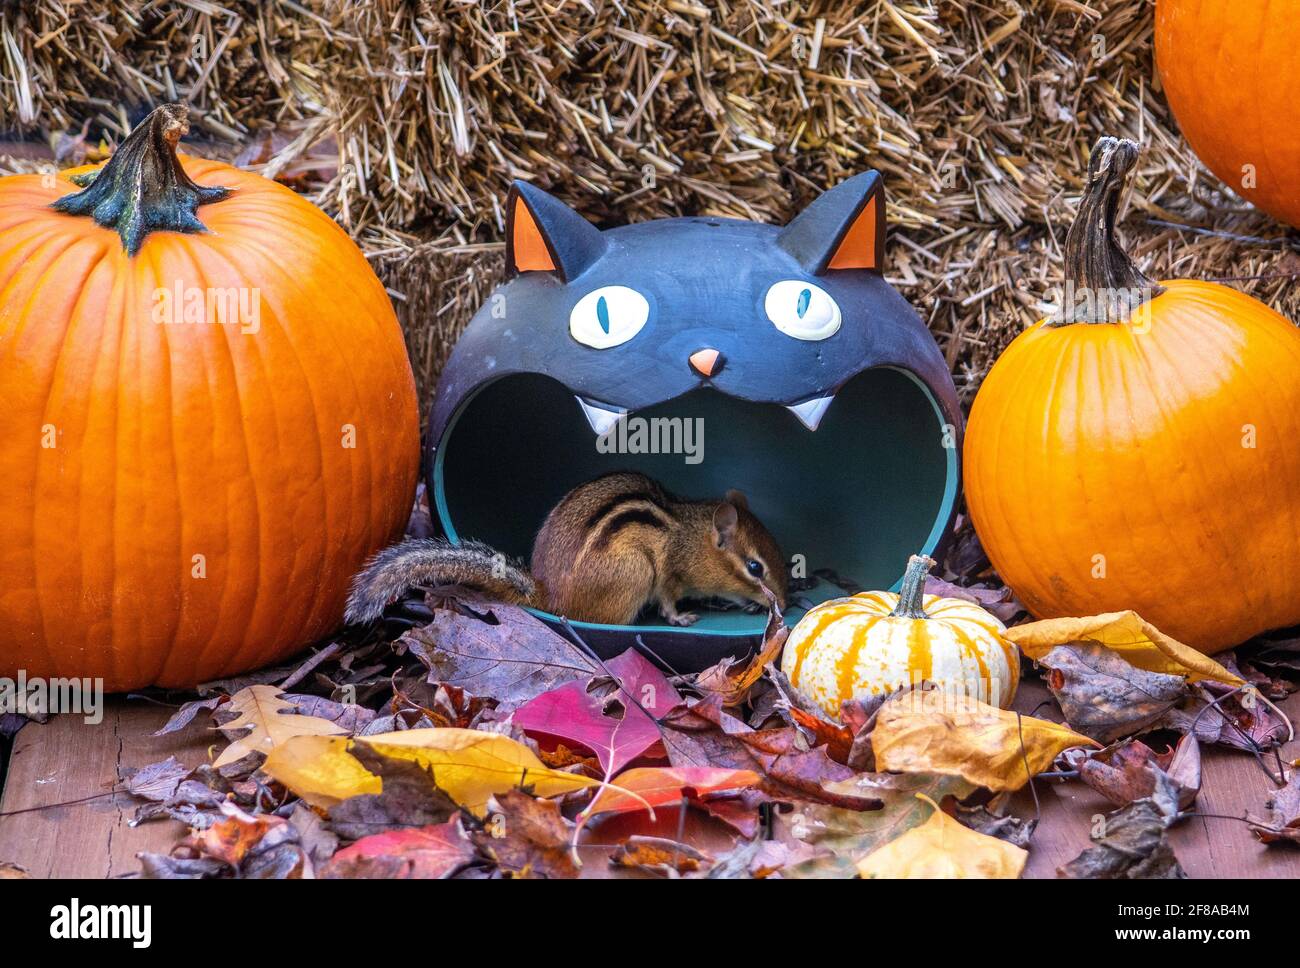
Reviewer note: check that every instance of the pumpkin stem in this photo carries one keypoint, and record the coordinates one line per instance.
(1102, 284)
(143, 187)
(912, 594)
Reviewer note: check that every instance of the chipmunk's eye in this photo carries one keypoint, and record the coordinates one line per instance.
(802, 310)
(754, 567)
(608, 316)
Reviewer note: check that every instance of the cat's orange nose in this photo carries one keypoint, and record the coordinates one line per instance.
(706, 362)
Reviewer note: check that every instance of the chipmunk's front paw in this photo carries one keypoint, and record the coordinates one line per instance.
(683, 619)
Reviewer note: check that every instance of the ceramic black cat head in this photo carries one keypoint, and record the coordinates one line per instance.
(710, 353)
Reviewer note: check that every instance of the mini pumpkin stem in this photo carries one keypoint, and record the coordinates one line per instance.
(1102, 284)
(143, 187)
(912, 594)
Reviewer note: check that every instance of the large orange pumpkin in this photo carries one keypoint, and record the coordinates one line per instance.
(208, 418)
(1141, 449)
(1232, 77)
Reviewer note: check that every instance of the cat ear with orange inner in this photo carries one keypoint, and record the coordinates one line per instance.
(545, 235)
(843, 228)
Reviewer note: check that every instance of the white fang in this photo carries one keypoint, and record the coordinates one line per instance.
(601, 420)
(810, 412)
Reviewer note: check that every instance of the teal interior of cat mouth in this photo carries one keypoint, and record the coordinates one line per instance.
(871, 486)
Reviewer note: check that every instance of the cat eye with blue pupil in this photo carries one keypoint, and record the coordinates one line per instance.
(802, 310)
(608, 316)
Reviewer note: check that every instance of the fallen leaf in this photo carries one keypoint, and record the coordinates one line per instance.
(233, 837)
(653, 786)
(1000, 602)
(527, 837)
(269, 723)
(316, 838)
(164, 867)
(157, 781)
(656, 855)
(846, 836)
(416, 853)
(757, 858)
(1281, 821)
(1139, 642)
(935, 732)
(730, 680)
(1132, 843)
(616, 720)
(837, 739)
(408, 797)
(943, 848)
(705, 734)
(1239, 720)
(1101, 695)
(467, 764)
(185, 715)
(1126, 771)
(507, 654)
(1013, 830)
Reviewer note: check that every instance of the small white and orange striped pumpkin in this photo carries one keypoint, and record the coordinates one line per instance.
(877, 642)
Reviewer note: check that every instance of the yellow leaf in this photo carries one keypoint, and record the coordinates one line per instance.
(467, 764)
(264, 710)
(943, 848)
(321, 770)
(1139, 642)
(936, 732)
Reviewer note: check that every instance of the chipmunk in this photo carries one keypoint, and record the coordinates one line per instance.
(611, 547)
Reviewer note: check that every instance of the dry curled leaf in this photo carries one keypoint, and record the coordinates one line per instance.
(657, 855)
(1127, 771)
(1221, 716)
(506, 654)
(527, 837)
(731, 680)
(943, 848)
(935, 732)
(1138, 641)
(1103, 696)
(1002, 826)
(1132, 843)
(1281, 821)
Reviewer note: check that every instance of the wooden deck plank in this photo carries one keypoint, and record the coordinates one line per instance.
(1232, 783)
(65, 760)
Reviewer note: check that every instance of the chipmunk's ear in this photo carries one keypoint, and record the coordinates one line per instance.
(725, 519)
(545, 235)
(843, 228)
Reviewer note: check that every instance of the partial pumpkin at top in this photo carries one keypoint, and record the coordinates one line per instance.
(209, 418)
(1138, 450)
(1232, 77)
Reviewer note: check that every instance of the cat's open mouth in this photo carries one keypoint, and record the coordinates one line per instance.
(604, 419)
(850, 482)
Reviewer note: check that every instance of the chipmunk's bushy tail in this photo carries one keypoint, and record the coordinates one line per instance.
(432, 561)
